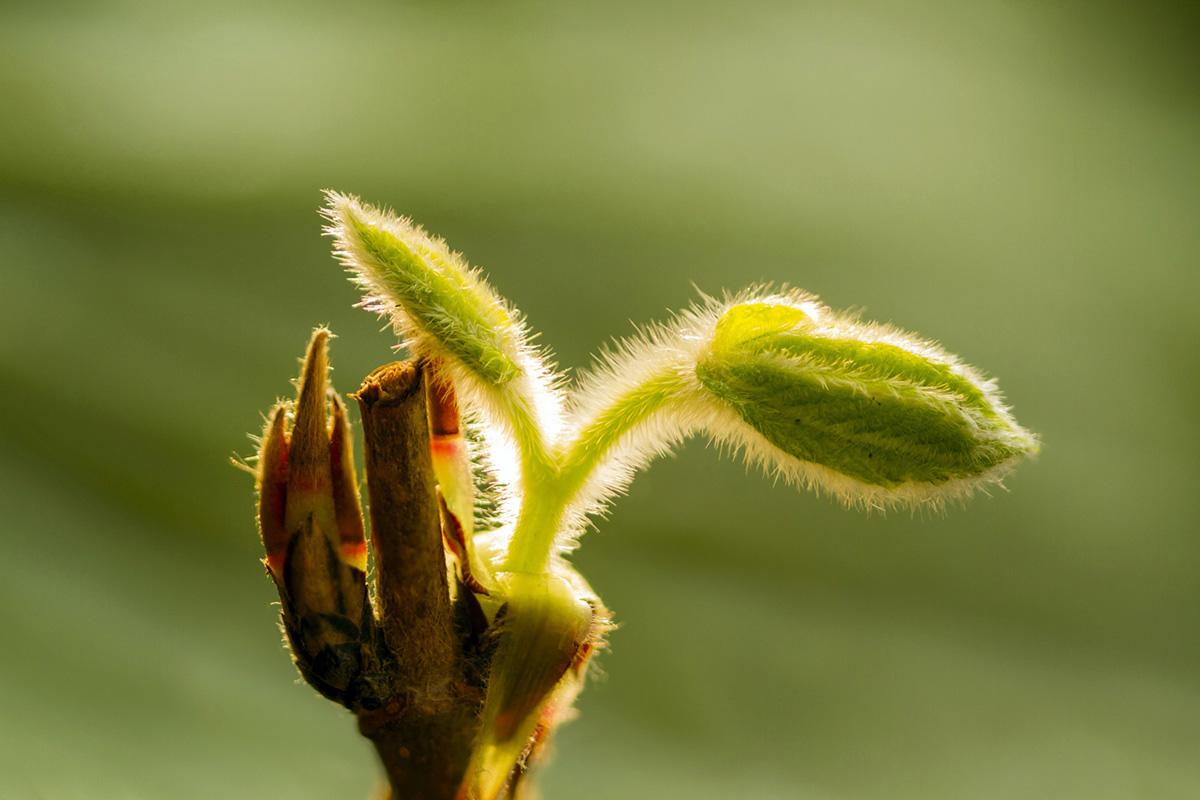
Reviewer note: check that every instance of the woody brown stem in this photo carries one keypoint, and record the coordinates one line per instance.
(424, 731)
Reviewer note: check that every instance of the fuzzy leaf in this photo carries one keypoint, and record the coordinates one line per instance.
(868, 403)
(448, 310)
(456, 323)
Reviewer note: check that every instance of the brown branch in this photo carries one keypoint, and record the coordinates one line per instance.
(424, 730)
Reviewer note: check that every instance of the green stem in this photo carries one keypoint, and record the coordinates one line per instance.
(548, 496)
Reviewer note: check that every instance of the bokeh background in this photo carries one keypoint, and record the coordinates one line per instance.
(1020, 180)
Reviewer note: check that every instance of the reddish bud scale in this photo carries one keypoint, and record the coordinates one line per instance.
(459, 546)
(444, 418)
(272, 490)
(451, 460)
(452, 466)
(352, 541)
(447, 447)
(310, 479)
(449, 452)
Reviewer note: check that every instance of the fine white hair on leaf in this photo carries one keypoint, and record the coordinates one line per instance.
(730, 436)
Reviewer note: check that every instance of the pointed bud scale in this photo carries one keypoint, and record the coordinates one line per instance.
(310, 479)
(272, 476)
(352, 541)
(544, 627)
(871, 413)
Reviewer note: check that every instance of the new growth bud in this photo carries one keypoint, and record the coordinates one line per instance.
(461, 679)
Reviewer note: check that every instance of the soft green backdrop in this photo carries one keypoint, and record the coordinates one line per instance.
(1018, 179)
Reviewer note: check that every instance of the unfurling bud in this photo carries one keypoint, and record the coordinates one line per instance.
(548, 630)
(312, 528)
(868, 412)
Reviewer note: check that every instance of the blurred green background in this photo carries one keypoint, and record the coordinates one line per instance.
(1019, 180)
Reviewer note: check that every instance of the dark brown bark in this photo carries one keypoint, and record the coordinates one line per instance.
(424, 731)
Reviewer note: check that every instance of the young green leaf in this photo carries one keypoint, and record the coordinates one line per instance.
(451, 318)
(443, 306)
(875, 415)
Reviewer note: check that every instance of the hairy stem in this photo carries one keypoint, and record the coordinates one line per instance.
(541, 516)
